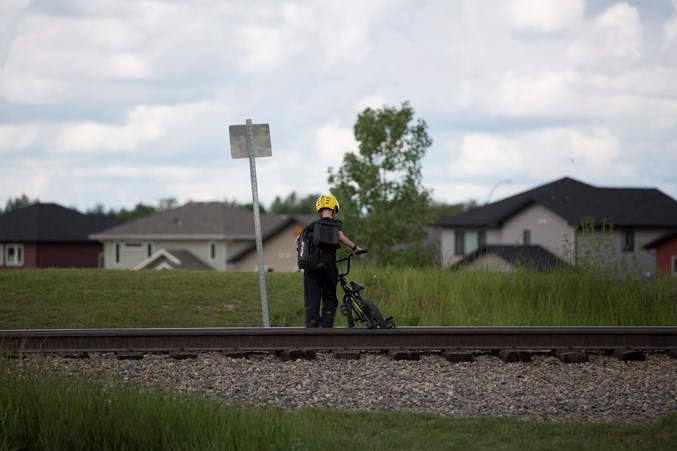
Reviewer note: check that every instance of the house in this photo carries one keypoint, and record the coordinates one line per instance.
(506, 258)
(202, 235)
(552, 215)
(665, 247)
(279, 246)
(46, 235)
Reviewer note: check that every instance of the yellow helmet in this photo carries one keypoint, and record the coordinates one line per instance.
(327, 201)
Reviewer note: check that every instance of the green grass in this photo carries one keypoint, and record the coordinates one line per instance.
(42, 411)
(570, 297)
(47, 412)
(70, 298)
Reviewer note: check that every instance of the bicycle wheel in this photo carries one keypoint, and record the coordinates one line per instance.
(374, 316)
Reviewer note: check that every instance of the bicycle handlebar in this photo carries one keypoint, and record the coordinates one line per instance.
(350, 254)
(347, 259)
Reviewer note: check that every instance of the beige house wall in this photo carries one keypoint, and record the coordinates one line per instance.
(279, 253)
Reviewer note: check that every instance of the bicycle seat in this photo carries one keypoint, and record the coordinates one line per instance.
(356, 286)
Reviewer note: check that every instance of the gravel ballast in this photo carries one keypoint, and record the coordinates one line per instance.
(604, 389)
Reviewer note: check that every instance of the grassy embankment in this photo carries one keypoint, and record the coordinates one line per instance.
(415, 297)
(43, 412)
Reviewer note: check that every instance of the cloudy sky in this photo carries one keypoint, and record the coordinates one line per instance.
(116, 102)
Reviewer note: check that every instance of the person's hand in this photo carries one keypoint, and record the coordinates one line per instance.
(356, 251)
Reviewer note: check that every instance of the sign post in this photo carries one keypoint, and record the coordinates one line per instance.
(251, 141)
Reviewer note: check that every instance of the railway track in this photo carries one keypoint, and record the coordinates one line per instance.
(286, 339)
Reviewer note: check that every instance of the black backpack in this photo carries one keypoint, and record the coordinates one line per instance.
(317, 245)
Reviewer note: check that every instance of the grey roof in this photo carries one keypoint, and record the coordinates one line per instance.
(48, 222)
(573, 201)
(216, 220)
(532, 256)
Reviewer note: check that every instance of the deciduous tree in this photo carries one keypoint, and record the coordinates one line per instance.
(384, 205)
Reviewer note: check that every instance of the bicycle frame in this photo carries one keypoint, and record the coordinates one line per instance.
(355, 307)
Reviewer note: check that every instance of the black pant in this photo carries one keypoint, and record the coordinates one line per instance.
(320, 284)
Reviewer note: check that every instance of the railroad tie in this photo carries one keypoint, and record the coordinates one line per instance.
(514, 356)
(572, 356)
(129, 355)
(457, 355)
(402, 354)
(346, 354)
(296, 354)
(629, 355)
(182, 355)
(235, 354)
(76, 355)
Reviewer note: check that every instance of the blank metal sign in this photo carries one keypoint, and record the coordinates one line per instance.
(238, 141)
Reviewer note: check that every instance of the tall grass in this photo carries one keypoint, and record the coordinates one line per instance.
(43, 411)
(428, 296)
(567, 297)
(40, 410)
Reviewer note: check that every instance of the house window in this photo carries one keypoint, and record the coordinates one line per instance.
(2, 255)
(118, 253)
(212, 250)
(526, 237)
(629, 241)
(468, 241)
(14, 254)
(149, 249)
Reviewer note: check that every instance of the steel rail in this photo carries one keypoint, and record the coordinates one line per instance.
(276, 339)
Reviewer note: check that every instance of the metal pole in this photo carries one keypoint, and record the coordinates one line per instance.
(493, 188)
(257, 224)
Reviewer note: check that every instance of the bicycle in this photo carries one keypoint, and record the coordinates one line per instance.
(355, 307)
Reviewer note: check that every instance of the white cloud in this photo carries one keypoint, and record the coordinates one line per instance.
(145, 123)
(10, 16)
(16, 137)
(119, 86)
(373, 101)
(670, 30)
(329, 32)
(331, 143)
(264, 49)
(344, 34)
(544, 16)
(548, 93)
(545, 153)
(119, 171)
(614, 38)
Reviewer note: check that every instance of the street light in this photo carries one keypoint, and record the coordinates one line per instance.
(493, 188)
